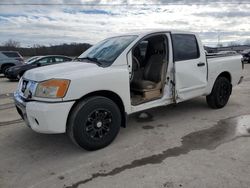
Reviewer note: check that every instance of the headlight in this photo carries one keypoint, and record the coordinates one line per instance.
(54, 88)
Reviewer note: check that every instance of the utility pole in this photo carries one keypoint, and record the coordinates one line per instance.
(219, 39)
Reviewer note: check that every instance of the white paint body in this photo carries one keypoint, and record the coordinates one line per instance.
(191, 81)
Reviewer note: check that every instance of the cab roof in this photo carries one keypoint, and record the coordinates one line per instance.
(145, 32)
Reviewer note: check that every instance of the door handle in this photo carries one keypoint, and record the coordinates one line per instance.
(201, 64)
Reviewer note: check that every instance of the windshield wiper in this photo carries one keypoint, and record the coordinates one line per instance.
(92, 59)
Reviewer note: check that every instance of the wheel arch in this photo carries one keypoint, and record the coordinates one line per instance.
(226, 75)
(110, 95)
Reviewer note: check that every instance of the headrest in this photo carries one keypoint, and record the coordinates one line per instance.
(159, 48)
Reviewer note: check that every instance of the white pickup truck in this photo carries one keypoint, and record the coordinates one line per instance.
(91, 98)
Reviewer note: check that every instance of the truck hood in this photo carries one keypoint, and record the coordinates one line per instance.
(62, 70)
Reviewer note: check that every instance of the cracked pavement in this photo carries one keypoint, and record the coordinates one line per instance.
(183, 145)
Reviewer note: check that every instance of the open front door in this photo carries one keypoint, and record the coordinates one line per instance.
(190, 67)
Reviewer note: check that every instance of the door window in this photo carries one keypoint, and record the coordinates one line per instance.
(185, 47)
(46, 60)
(11, 54)
(59, 59)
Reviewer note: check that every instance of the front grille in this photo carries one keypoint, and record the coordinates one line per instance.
(27, 89)
(24, 85)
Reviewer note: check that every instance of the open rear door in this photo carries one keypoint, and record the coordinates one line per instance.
(190, 67)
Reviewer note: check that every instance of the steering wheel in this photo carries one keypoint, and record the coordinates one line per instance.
(135, 66)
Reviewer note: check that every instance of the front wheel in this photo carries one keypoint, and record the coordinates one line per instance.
(94, 123)
(220, 94)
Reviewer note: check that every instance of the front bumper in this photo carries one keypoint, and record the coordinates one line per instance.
(44, 117)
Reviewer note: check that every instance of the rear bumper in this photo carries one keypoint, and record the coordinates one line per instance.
(44, 117)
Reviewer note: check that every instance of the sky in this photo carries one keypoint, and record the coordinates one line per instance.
(50, 22)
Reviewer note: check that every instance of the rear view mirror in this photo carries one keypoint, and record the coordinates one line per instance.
(39, 64)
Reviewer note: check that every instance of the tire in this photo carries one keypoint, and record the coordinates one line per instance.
(220, 94)
(94, 123)
(5, 68)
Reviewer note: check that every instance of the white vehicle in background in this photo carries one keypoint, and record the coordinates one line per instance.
(91, 98)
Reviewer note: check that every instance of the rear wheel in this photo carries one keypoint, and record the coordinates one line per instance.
(94, 123)
(220, 93)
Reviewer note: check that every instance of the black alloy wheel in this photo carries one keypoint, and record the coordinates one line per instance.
(98, 123)
(220, 94)
(94, 123)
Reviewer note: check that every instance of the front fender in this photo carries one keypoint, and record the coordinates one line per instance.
(114, 79)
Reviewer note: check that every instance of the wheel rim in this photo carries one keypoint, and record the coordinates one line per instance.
(224, 93)
(98, 123)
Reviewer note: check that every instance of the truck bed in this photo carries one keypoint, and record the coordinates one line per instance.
(209, 56)
(228, 63)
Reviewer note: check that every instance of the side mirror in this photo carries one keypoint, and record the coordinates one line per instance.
(39, 64)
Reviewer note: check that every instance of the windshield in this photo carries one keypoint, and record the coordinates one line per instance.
(108, 50)
(31, 59)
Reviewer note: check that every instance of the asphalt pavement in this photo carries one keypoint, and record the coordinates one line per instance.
(183, 145)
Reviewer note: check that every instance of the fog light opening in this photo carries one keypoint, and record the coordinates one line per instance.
(36, 121)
